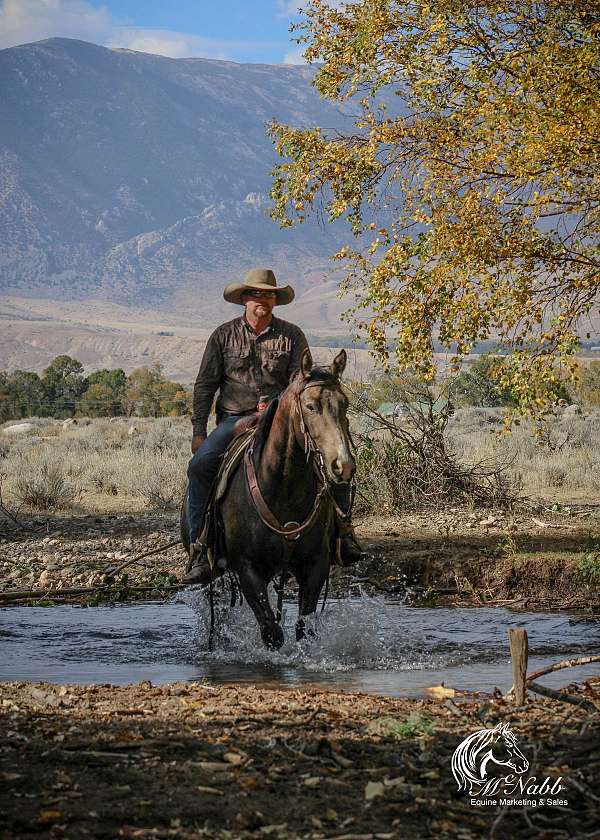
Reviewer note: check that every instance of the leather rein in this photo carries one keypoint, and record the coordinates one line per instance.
(292, 531)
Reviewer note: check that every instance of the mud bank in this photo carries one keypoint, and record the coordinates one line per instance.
(529, 559)
(190, 760)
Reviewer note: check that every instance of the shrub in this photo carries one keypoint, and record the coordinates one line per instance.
(589, 569)
(45, 484)
(162, 483)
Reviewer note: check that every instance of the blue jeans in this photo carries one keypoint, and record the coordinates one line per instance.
(202, 471)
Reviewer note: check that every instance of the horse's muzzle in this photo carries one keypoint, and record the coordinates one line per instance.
(343, 470)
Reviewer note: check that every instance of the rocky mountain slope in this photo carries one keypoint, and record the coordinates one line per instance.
(142, 179)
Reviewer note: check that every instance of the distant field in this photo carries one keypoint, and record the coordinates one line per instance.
(101, 335)
(137, 464)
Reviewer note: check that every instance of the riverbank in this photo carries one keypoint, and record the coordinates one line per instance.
(529, 558)
(193, 760)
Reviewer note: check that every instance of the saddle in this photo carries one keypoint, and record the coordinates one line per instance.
(211, 536)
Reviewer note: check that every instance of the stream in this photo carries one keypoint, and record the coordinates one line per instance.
(362, 644)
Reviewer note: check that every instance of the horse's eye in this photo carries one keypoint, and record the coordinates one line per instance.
(311, 406)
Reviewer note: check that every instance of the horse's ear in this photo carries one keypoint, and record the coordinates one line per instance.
(338, 366)
(306, 364)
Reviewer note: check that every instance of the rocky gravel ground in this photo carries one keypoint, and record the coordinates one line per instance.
(529, 559)
(63, 553)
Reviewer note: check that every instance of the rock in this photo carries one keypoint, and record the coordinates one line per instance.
(487, 523)
(19, 429)
(45, 699)
(45, 579)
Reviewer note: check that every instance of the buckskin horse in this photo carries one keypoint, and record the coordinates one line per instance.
(278, 515)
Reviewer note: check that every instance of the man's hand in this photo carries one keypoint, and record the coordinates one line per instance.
(196, 441)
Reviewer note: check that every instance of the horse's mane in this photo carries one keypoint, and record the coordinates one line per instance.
(464, 760)
(263, 427)
(317, 374)
(265, 420)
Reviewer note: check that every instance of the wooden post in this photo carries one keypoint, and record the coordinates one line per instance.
(519, 651)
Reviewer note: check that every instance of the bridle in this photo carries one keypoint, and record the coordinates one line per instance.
(310, 446)
(292, 531)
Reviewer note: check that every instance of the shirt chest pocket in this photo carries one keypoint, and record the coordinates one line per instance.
(236, 361)
(276, 362)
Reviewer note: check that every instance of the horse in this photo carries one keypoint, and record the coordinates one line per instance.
(278, 516)
(471, 758)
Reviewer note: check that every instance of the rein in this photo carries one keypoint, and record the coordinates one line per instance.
(292, 531)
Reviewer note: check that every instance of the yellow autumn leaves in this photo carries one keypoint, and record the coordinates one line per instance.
(476, 150)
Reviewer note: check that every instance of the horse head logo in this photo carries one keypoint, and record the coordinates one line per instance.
(471, 757)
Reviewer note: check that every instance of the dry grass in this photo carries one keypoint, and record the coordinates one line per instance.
(99, 466)
(561, 463)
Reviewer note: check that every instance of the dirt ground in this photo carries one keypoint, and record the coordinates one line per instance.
(189, 760)
(193, 760)
(526, 559)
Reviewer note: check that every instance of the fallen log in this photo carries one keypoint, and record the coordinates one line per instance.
(581, 702)
(133, 560)
(58, 594)
(566, 663)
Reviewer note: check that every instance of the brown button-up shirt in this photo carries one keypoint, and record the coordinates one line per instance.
(242, 366)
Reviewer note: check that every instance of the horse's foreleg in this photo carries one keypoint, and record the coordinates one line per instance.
(310, 588)
(255, 590)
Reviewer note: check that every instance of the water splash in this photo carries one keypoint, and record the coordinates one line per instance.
(353, 633)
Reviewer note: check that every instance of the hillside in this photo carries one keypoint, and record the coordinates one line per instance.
(143, 179)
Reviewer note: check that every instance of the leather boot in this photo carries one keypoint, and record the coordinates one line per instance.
(350, 551)
(198, 570)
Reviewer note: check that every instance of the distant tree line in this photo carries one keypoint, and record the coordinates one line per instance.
(63, 390)
(481, 386)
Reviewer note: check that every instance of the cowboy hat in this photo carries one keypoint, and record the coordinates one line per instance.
(259, 278)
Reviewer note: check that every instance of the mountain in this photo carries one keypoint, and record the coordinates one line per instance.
(143, 179)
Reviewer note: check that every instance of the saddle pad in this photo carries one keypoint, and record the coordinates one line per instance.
(231, 459)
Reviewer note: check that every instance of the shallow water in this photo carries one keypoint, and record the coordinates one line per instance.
(362, 644)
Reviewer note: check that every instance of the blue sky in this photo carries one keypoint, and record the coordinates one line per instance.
(238, 30)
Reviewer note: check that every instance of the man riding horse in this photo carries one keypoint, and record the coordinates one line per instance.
(252, 355)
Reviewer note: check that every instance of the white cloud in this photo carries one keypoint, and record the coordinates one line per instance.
(23, 21)
(173, 44)
(291, 8)
(295, 56)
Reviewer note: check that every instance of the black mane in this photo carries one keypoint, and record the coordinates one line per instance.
(263, 428)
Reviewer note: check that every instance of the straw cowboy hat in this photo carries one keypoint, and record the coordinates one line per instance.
(259, 278)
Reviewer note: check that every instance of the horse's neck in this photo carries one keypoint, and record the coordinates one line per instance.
(283, 472)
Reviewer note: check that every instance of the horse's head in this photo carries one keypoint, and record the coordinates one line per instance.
(322, 415)
(504, 749)
(471, 758)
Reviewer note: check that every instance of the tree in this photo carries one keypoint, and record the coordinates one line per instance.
(588, 384)
(5, 404)
(63, 383)
(104, 394)
(26, 393)
(480, 386)
(175, 401)
(149, 394)
(477, 148)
